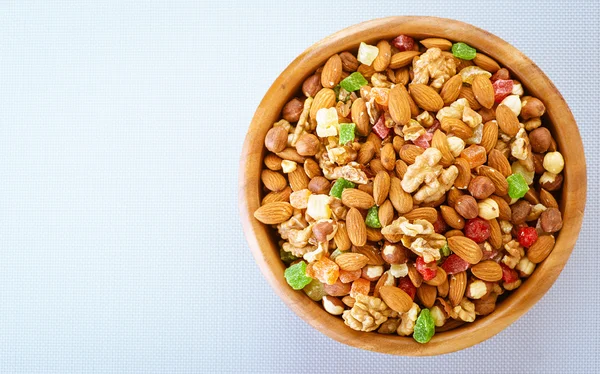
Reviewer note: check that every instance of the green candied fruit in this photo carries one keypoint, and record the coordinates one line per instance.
(424, 327)
(372, 219)
(353, 82)
(315, 290)
(464, 51)
(445, 251)
(296, 276)
(286, 257)
(339, 186)
(517, 186)
(346, 132)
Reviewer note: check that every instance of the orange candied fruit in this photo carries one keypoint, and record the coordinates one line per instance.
(360, 286)
(475, 155)
(325, 270)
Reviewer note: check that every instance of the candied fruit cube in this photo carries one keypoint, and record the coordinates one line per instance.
(517, 186)
(296, 276)
(380, 128)
(406, 285)
(339, 186)
(325, 270)
(475, 155)
(353, 82)
(367, 53)
(403, 43)
(424, 327)
(360, 286)
(315, 290)
(502, 88)
(346, 132)
(372, 219)
(463, 51)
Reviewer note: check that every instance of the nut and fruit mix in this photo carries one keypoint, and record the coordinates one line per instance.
(411, 184)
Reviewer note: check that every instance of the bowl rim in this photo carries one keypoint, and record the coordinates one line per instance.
(563, 126)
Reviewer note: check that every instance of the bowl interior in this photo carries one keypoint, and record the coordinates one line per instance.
(558, 118)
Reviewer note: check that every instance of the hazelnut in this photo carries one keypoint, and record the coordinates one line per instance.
(333, 305)
(307, 145)
(525, 267)
(466, 206)
(540, 139)
(292, 110)
(485, 305)
(319, 185)
(478, 289)
(550, 181)
(501, 74)
(312, 85)
(393, 253)
(337, 289)
(520, 211)
(554, 162)
(533, 123)
(488, 209)
(276, 139)
(453, 195)
(372, 272)
(323, 230)
(538, 163)
(551, 220)
(349, 62)
(531, 107)
(481, 187)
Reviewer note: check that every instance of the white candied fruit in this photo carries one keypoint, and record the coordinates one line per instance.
(318, 207)
(327, 122)
(367, 53)
(554, 162)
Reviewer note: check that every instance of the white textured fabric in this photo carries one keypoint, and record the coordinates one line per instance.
(120, 131)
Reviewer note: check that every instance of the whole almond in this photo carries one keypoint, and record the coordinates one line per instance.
(457, 287)
(489, 137)
(409, 153)
(274, 213)
(464, 173)
(349, 62)
(465, 248)
(400, 199)
(386, 213)
(398, 142)
(507, 120)
(427, 295)
(452, 218)
(440, 141)
(401, 168)
(414, 108)
(272, 162)
(452, 233)
(488, 271)
(399, 105)
(456, 127)
(332, 72)
(483, 91)
(440, 277)
(414, 276)
(426, 97)
(298, 179)
(442, 289)
(273, 180)
(540, 249)
(355, 198)
(351, 261)
(325, 98)
(547, 199)
(503, 207)
(443, 44)
(341, 239)
(360, 116)
(451, 89)
(367, 71)
(366, 152)
(385, 280)
(276, 139)
(311, 168)
(291, 154)
(371, 253)
(376, 166)
(355, 225)
(467, 93)
(277, 196)
(428, 214)
(402, 76)
(396, 299)
(382, 61)
(402, 59)
(496, 177)
(388, 156)
(466, 206)
(486, 63)
(374, 235)
(498, 161)
(495, 238)
(381, 187)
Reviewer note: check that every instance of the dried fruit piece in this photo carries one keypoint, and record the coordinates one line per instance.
(367, 53)
(517, 186)
(502, 88)
(424, 327)
(296, 276)
(339, 186)
(353, 82)
(454, 264)
(463, 51)
(324, 270)
(372, 219)
(403, 43)
(427, 270)
(527, 236)
(477, 229)
(406, 285)
(509, 275)
(346, 132)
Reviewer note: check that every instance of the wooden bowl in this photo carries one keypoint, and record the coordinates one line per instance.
(264, 246)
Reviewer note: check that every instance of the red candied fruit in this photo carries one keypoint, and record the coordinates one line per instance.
(403, 43)
(508, 275)
(502, 88)
(423, 140)
(427, 270)
(407, 286)
(454, 264)
(440, 225)
(380, 128)
(527, 236)
(477, 229)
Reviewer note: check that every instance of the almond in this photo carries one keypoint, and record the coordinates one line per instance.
(483, 91)
(442, 289)
(371, 253)
(401, 200)
(366, 152)
(355, 198)
(274, 213)
(452, 218)
(486, 63)
(409, 153)
(401, 168)
(414, 108)
(385, 280)
(488, 271)
(464, 173)
(325, 98)
(489, 138)
(388, 156)
(402, 59)
(465, 248)
(396, 299)
(366, 70)
(292, 155)
(452, 233)
(386, 213)
(382, 61)
(456, 127)
(507, 120)
(453, 195)
(273, 162)
(440, 141)
(312, 169)
(451, 89)
(498, 161)
(457, 287)
(541, 249)
(298, 179)
(466, 206)
(355, 225)
(272, 180)
(399, 105)
(381, 187)
(275, 196)
(467, 94)
(503, 207)
(414, 276)
(495, 238)
(496, 177)
(351, 261)
(427, 295)
(426, 97)
(332, 72)
(341, 239)
(547, 199)
(440, 277)
(428, 214)
(443, 44)
(360, 116)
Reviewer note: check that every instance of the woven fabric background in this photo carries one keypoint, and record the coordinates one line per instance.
(121, 125)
